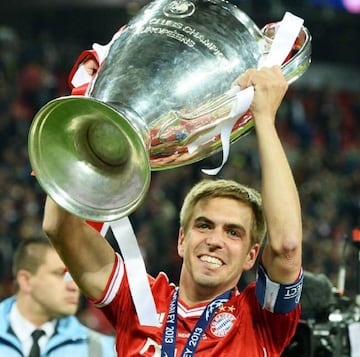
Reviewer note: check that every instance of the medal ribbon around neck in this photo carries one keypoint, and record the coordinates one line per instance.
(169, 335)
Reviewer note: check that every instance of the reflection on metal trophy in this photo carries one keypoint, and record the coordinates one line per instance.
(163, 87)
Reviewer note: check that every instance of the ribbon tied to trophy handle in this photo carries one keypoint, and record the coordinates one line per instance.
(220, 116)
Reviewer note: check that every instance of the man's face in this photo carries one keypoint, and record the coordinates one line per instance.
(53, 297)
(216, 248)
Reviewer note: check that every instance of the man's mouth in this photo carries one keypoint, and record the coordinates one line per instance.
(72, 300)
(211, 260)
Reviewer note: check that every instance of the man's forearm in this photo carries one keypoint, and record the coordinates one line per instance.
(281, 207)
(87, 255)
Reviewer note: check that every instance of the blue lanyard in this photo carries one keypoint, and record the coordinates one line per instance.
(169, 336)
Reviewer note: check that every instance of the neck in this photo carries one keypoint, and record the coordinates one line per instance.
(200, 295)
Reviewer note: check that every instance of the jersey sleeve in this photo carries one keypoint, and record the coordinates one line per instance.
(113, 284)
(276, 297)
(78, 78)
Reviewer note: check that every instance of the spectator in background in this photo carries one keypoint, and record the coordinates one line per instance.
(46, 301)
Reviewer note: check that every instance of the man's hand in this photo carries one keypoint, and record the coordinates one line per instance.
(270, 87)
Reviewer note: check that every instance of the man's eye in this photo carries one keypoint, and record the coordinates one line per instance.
(59, 273)
(234, 234)
(203, 226)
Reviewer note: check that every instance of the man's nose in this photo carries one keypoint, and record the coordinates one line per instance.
(215, 238)
(70, 285)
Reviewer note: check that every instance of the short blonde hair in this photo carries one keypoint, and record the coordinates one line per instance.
(229, 189)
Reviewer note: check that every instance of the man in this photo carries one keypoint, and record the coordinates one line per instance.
(222, 227)
(46, 302)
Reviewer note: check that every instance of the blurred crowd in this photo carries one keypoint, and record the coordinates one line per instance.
(319, 127)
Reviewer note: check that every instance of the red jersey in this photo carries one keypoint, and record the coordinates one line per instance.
(240, 327)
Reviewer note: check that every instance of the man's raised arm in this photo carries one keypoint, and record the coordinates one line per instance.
(283, 250)
(86, 254)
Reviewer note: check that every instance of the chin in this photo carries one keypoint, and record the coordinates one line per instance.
(207, 282)
(69, 311)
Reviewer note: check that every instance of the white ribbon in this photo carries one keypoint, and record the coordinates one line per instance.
(242, 102)
(123, 232)
(136, 271)
(284, 40)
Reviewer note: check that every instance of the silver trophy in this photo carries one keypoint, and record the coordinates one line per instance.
(164, 85)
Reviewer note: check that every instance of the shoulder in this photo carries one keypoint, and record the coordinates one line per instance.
(247, 297)
(71, 325)
(8, 302)
(6, 305)
(74, 324)
(5, 308)
(161, 286)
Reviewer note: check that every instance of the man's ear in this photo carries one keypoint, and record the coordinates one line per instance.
(180, 245)
(251, 257)
(23, 280)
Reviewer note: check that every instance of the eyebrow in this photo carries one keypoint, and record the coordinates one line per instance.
(227, 225)
(203, 219)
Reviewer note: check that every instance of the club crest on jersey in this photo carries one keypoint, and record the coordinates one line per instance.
(221, 324)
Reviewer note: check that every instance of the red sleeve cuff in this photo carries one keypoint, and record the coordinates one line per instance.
(87, 54)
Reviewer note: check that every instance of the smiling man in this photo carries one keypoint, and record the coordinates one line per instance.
(222, 227)
(217, 241)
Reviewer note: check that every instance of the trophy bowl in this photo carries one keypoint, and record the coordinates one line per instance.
(164, 85)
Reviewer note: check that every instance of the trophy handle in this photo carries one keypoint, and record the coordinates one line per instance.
(299, 58)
